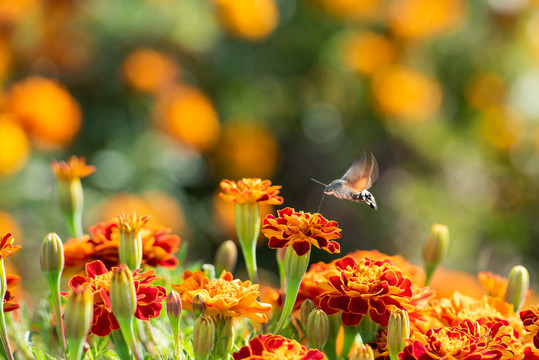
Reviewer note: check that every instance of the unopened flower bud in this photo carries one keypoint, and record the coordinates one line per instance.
(317, 329)
(209, 271)
(398, 330)
(362, 352)
(174, 305)
(226, 257)
(518, 284)
(199, 305)
(203, 337)
(52, 255)
(435, 249)
(130, 248)
(306, 307)
(78, 313)
(123, 297)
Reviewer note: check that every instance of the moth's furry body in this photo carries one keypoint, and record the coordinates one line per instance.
(340, 190)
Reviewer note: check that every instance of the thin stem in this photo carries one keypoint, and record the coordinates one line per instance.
(56, 305)
(121, 347)
(126, 327)
(292, 287)
(331, 345)
(247, 218)
(367, 329)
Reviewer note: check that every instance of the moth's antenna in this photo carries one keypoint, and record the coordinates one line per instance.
(320, 205)
(321, 183)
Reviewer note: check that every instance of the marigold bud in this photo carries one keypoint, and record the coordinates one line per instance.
(174, 305)
(203, 337)
(362, 352)
(226, 257)
(130, 248)
(398, 330)
(199, 305)
(123, 297)
(52, 255)
(317, 329)
(209, 271)
(435, 248)
(78, 314)
(306, 307)
(518, 284)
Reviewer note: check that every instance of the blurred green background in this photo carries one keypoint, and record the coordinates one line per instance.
(168, 97)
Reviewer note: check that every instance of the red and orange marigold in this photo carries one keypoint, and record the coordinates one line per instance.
(276, 347)
(224, 297)
(364, 287)
(6, 246)
(301, 230)
(102, 244)
(251, 190)
(530, 318)
(149, 297)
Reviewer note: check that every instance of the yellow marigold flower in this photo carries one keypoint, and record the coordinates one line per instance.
(6, 246)
(224, 297)
(75, 168)
(494, 284)
(365, 286)
(276, 347)
(249, 190)
(301, 230)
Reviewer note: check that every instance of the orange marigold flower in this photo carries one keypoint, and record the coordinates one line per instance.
(158, 246)
(309, 288)
(251, 190)
(530, 319)
(149, 297)
(9, 305)
(301, 230)
(466, 340)
(276, 347)
(6, 246)
(224, 297)
(365, 286)
(75, 168)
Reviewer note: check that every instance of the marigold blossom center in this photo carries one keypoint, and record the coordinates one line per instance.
(101, 281)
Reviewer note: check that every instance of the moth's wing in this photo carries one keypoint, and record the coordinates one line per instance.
(363, 172)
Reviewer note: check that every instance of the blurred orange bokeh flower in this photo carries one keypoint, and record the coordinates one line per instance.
(367, 52)
(75, 168)
(301, 230)
(251, 190)
(189, 116)
(446, 282)
(247, 149)
(6, 246)
(9, 304)
(7, 221)
(11, 11)
(149, 70)
(14, 146)
(248, 19)
(224, 297)
(364, 287)
(405, 94)
(45, 109)
(494, 284)
(352, 9)
(5, 57)
(422, 18)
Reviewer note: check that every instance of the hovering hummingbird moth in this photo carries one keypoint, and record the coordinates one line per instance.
(355, 182)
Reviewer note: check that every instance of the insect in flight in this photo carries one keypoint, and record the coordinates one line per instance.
(355, 182)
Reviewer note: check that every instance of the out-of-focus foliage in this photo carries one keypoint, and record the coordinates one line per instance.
(167, 97)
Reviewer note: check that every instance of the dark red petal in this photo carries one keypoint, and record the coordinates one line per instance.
(77, 281)
(339, 302)
(301, 247)
(276, 243)
(95, 268)
(358, 305)
(351, 319)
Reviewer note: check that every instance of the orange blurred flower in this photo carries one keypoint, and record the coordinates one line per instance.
(158, 246)
(12, 11)
(301, 230)
(188, 115)
(274, 347)
(75, 168)
(249, 190)
(367, 52)
(247, 150)
(14, 146)
(7, 221)
(408, 95)
(45, 109)
(224, 297)
(352, 9)
(423, 18)
(9, 304)
(6, 246)
(446, 282)
(149, 70)
(494, 284)
(5, 57)
(248, 19)
(485, 90)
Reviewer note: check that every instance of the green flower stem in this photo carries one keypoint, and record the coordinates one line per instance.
(128, 333)
(74, 224)
(74, 349)
(295, 268)
(280, 265)
(225, 338)
(121, 347)
(71, 203)
(56, 305)
(367, 329)
(331, 345)
(247, 217)
(350, 333)
(6, 348)
(429, 271)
